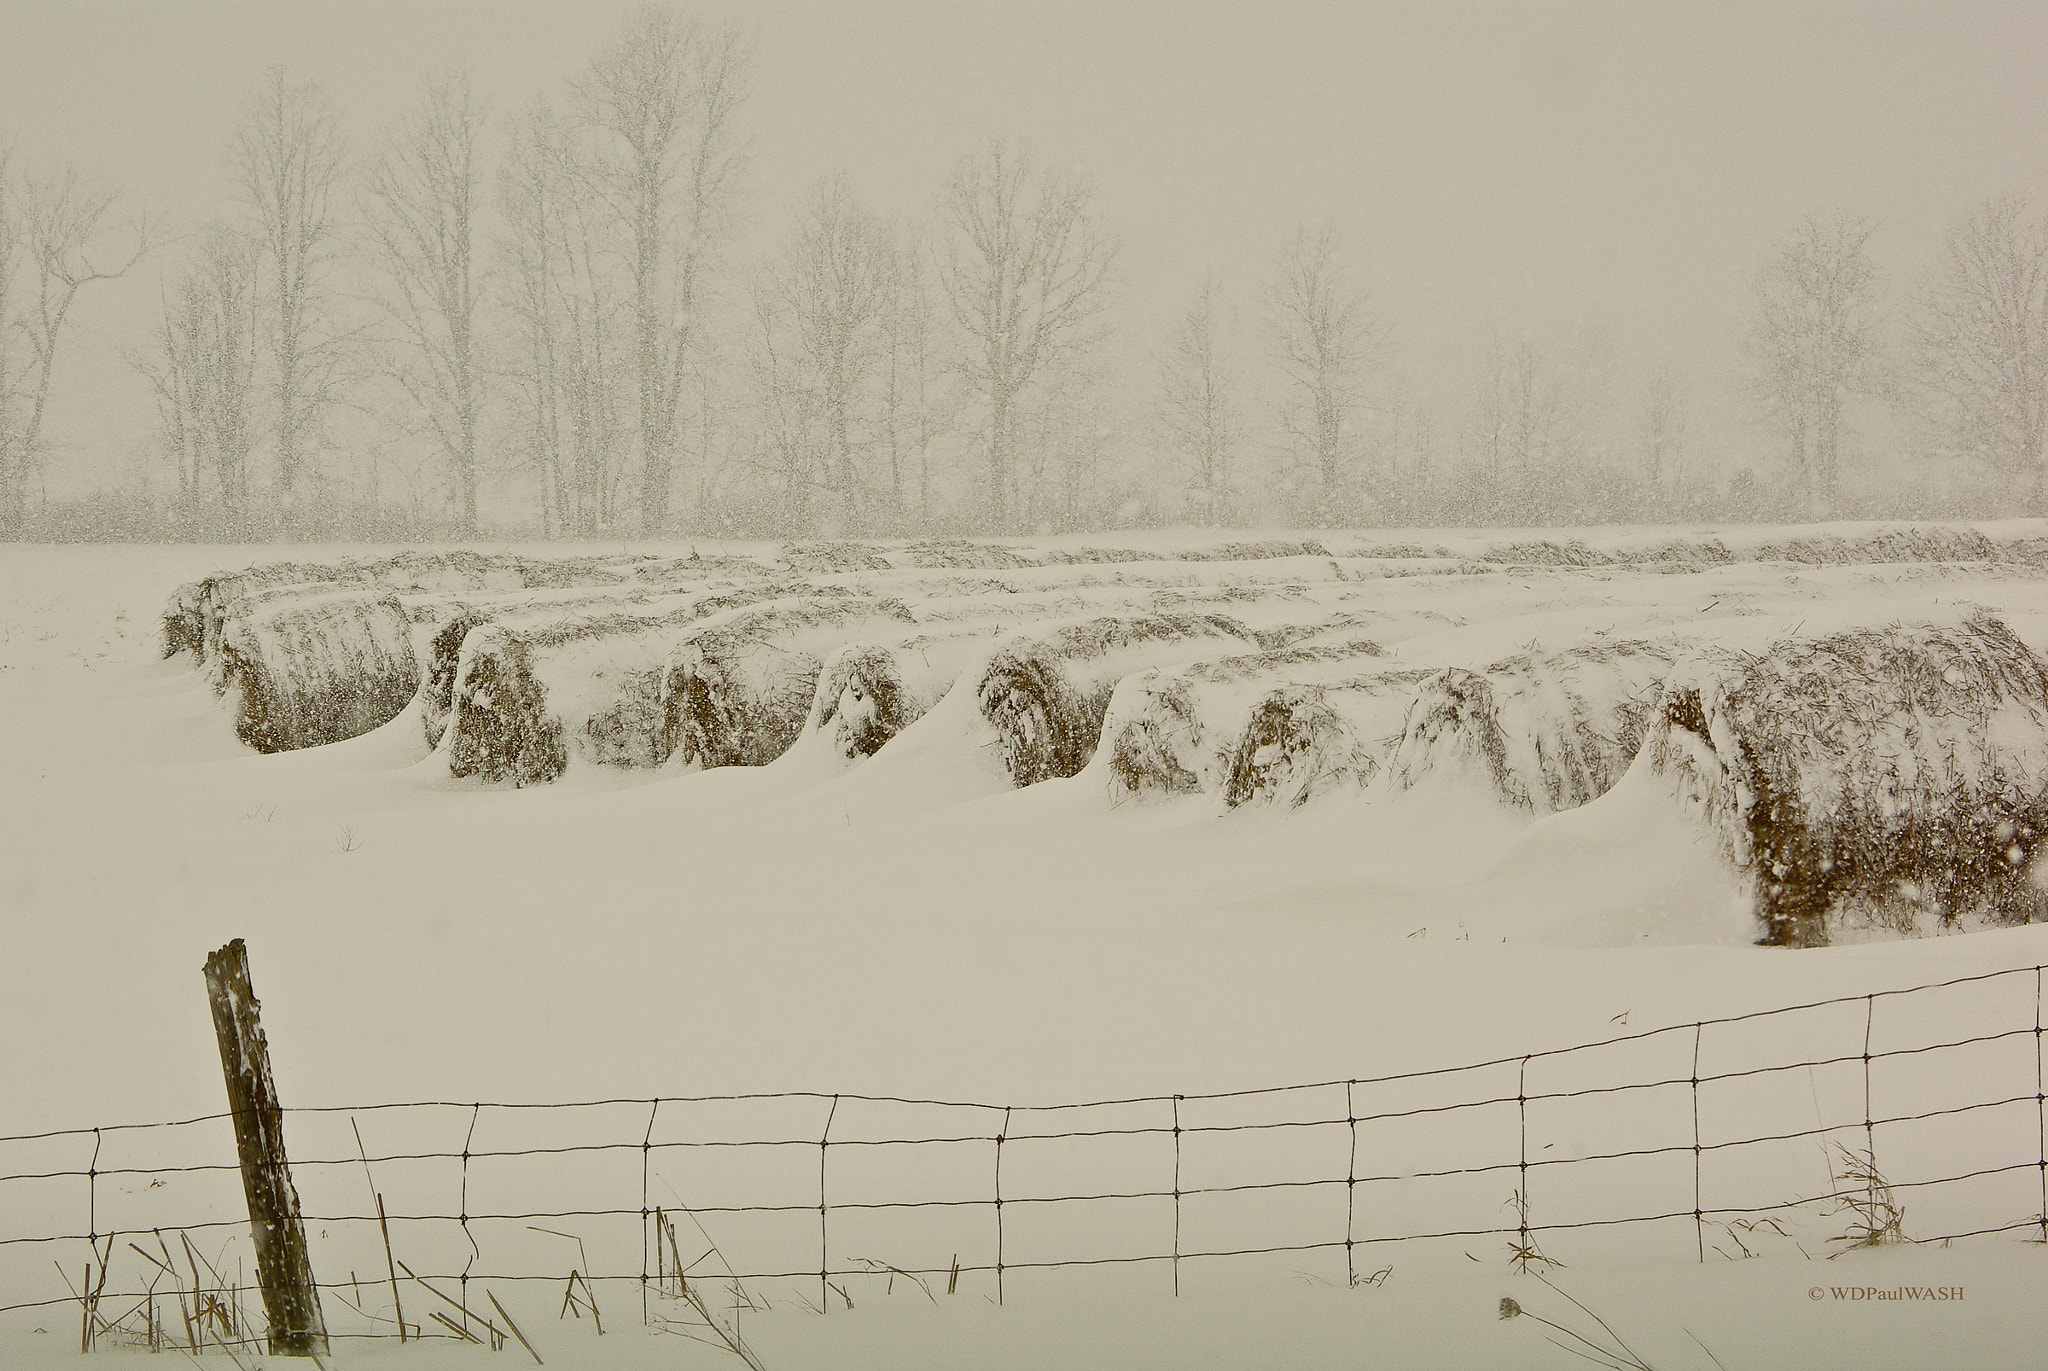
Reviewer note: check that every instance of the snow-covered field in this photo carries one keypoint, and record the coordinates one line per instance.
(916, 927)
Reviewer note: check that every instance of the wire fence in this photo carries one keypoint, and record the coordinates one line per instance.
(1916, 1113)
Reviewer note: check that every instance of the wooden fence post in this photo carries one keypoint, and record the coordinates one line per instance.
(291, 1300)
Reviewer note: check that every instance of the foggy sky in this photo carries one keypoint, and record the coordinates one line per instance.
(1496, 168)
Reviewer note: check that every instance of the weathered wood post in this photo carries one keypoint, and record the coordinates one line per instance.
(291, 1300)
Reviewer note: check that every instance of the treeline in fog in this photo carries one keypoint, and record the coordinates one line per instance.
(532, 313)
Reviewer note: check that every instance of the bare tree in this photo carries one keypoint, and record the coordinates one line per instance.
(667, 95)
(1980, 342)
(13, 370)
(916, 408)
(1197, 407)
(1664, 429)
(827, 296)
(288, 156)
(568, 361)
(1812, 342)
(1026, 271)
(58, 227)
(422, 200)
(1323, 337)
(203, 369)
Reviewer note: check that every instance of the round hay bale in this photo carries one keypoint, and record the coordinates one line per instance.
(307, 670)
(868, 692)
(738, 692)
(1885, 778)
(184, 625)
(1300, 742)
(1175, 732)
(500, 728)
(527, 693)
(1542, 731)
(1046, 694)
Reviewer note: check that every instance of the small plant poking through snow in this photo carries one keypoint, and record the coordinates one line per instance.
(1861, 1191)
(1605, 1349)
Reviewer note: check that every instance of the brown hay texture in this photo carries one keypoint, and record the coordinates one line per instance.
(526, 693)
(1543, 731)
(818, 559)
(868, 692)
(1176, 732)
(184, 626)
(1883, 777)
(306, 670)
(738, 692)
(1303, 741)
(1045, 693)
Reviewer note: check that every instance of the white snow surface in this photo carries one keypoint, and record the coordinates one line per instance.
(915, 927)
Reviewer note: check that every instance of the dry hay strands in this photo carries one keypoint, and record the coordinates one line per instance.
(1299, 742)
(962, 554)
(1543, 731)
(738, 692)
(525, 694)
(307, 670)
(184, 624)
(1175, 731)
(830, 558)
(1912, 543)
(1890, 777)
(1546, 552)
(1046, 693)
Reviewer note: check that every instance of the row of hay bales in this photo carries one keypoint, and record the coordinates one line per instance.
(1895, 775)
(1892, 777)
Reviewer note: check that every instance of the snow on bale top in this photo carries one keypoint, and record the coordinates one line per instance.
(1891, 778)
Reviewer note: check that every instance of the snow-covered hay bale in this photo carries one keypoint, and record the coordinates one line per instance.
(1543, 731)
(443, 660)
(442, 623)
(184, 625)
(1175, 731)
(1888, 777)
(527, 695)
(307, 670)
(737, 692)
(1045, 693)
(868, 692)
(1302, 741)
